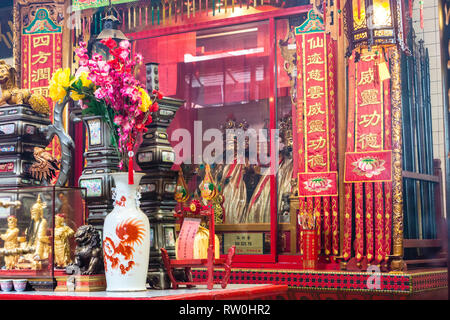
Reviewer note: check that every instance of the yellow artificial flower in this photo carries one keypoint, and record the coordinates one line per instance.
(62, 77)
(145, 99)
(76, 96)
(85, 82)
(59, 83)
(56, 92)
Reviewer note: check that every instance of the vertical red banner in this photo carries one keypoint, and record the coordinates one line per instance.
(316, 128)
(41, 57)
(368, 160)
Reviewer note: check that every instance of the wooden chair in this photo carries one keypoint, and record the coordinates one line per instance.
(210, 262)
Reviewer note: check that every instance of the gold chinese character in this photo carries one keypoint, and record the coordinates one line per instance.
(368, 140)
(42, 57)
(369, 96)
(314, 59)
(315, 92)
(40, 74)
(41, 41)
(43, 91)
(317, 143)
(316, 126)
(315, 109)
(315, 75)
(316, 160)
(366, 77)
(314, 43)
(370, 119)
(368, 57)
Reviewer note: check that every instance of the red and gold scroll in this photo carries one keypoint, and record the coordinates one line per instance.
(368, 160)
(309, 239)
(316, 129)
(41, 57)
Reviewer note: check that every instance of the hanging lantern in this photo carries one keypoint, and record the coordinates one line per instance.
(110, 30)
(375, 22)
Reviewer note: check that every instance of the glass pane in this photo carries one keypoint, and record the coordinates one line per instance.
(286, 105)
(37, 229)
(222, 74)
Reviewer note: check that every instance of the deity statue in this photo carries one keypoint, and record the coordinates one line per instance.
(63, 233)
(38, 242)
(258, 210)
(201, 244)
(11, 242)
(232, 180)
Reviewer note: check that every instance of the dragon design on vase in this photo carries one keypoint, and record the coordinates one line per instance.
(129, 232)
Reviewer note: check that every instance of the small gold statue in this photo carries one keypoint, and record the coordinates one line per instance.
(11, 94)
(11, 242)
(38, 242)
(63, 233)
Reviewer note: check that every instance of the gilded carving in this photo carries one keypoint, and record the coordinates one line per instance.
(397, 181)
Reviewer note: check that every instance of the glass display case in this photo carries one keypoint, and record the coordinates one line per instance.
(236, 77)
(37, 227)
(223, 74)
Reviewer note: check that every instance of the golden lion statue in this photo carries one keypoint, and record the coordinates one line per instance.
(11, 94)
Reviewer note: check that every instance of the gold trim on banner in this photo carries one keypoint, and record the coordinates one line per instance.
(397, 263)
(305, 129)
(326, 99)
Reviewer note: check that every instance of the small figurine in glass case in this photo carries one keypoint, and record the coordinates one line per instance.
(63, 233)
(11, 242)
(37, 240)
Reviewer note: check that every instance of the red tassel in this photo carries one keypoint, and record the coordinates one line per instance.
(130, 169)
(130, 164)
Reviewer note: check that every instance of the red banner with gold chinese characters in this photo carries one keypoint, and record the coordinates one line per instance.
(316, 129)
(41, 57)
(368, 159)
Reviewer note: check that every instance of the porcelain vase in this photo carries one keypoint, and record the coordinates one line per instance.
(126, 238)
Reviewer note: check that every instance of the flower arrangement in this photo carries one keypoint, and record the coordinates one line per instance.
(110, 89)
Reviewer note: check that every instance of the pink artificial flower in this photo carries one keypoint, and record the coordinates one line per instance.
(110, 43)
(80, 51)
(100, 93)
(83, 62)
(118, 120)
(103, 66)
(97, 57)
(124, 54)
(82, 69)
(124, 44)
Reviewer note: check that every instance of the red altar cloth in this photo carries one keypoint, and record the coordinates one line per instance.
(233, 292)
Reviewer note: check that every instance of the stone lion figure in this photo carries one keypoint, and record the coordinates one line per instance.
(88, 254)
(12, 94)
